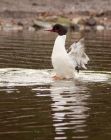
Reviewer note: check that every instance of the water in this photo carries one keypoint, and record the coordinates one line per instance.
(34, 107)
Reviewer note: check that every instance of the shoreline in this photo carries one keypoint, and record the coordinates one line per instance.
(33, 15)
(18, 21)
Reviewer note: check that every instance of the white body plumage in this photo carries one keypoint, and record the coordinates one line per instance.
(64, 63)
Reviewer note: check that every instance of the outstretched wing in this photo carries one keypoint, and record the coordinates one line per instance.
(78, 54)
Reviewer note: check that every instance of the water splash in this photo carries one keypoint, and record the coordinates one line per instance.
(28, 77)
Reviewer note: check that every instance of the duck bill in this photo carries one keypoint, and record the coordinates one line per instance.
(49, 30)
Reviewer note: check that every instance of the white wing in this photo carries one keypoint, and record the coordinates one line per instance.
(78, 54)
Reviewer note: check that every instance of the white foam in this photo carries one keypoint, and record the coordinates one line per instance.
(24, 77)
(93, 76)
(28, 77)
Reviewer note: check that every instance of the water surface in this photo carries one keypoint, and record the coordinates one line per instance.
(35, 107)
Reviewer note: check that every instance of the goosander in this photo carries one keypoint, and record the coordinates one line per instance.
(66, 64)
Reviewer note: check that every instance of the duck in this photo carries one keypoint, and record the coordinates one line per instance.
(67, 64)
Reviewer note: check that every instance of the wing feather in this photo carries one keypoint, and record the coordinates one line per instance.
(78, 54)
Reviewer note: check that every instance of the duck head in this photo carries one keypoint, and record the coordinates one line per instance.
(58, 28)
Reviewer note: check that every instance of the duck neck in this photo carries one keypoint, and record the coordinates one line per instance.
(59, 44)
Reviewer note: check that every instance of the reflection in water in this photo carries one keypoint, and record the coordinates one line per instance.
(69, 108)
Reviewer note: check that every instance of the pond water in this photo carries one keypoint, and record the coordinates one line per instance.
(35, 107)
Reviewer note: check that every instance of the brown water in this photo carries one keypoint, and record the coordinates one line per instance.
(34, 107)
